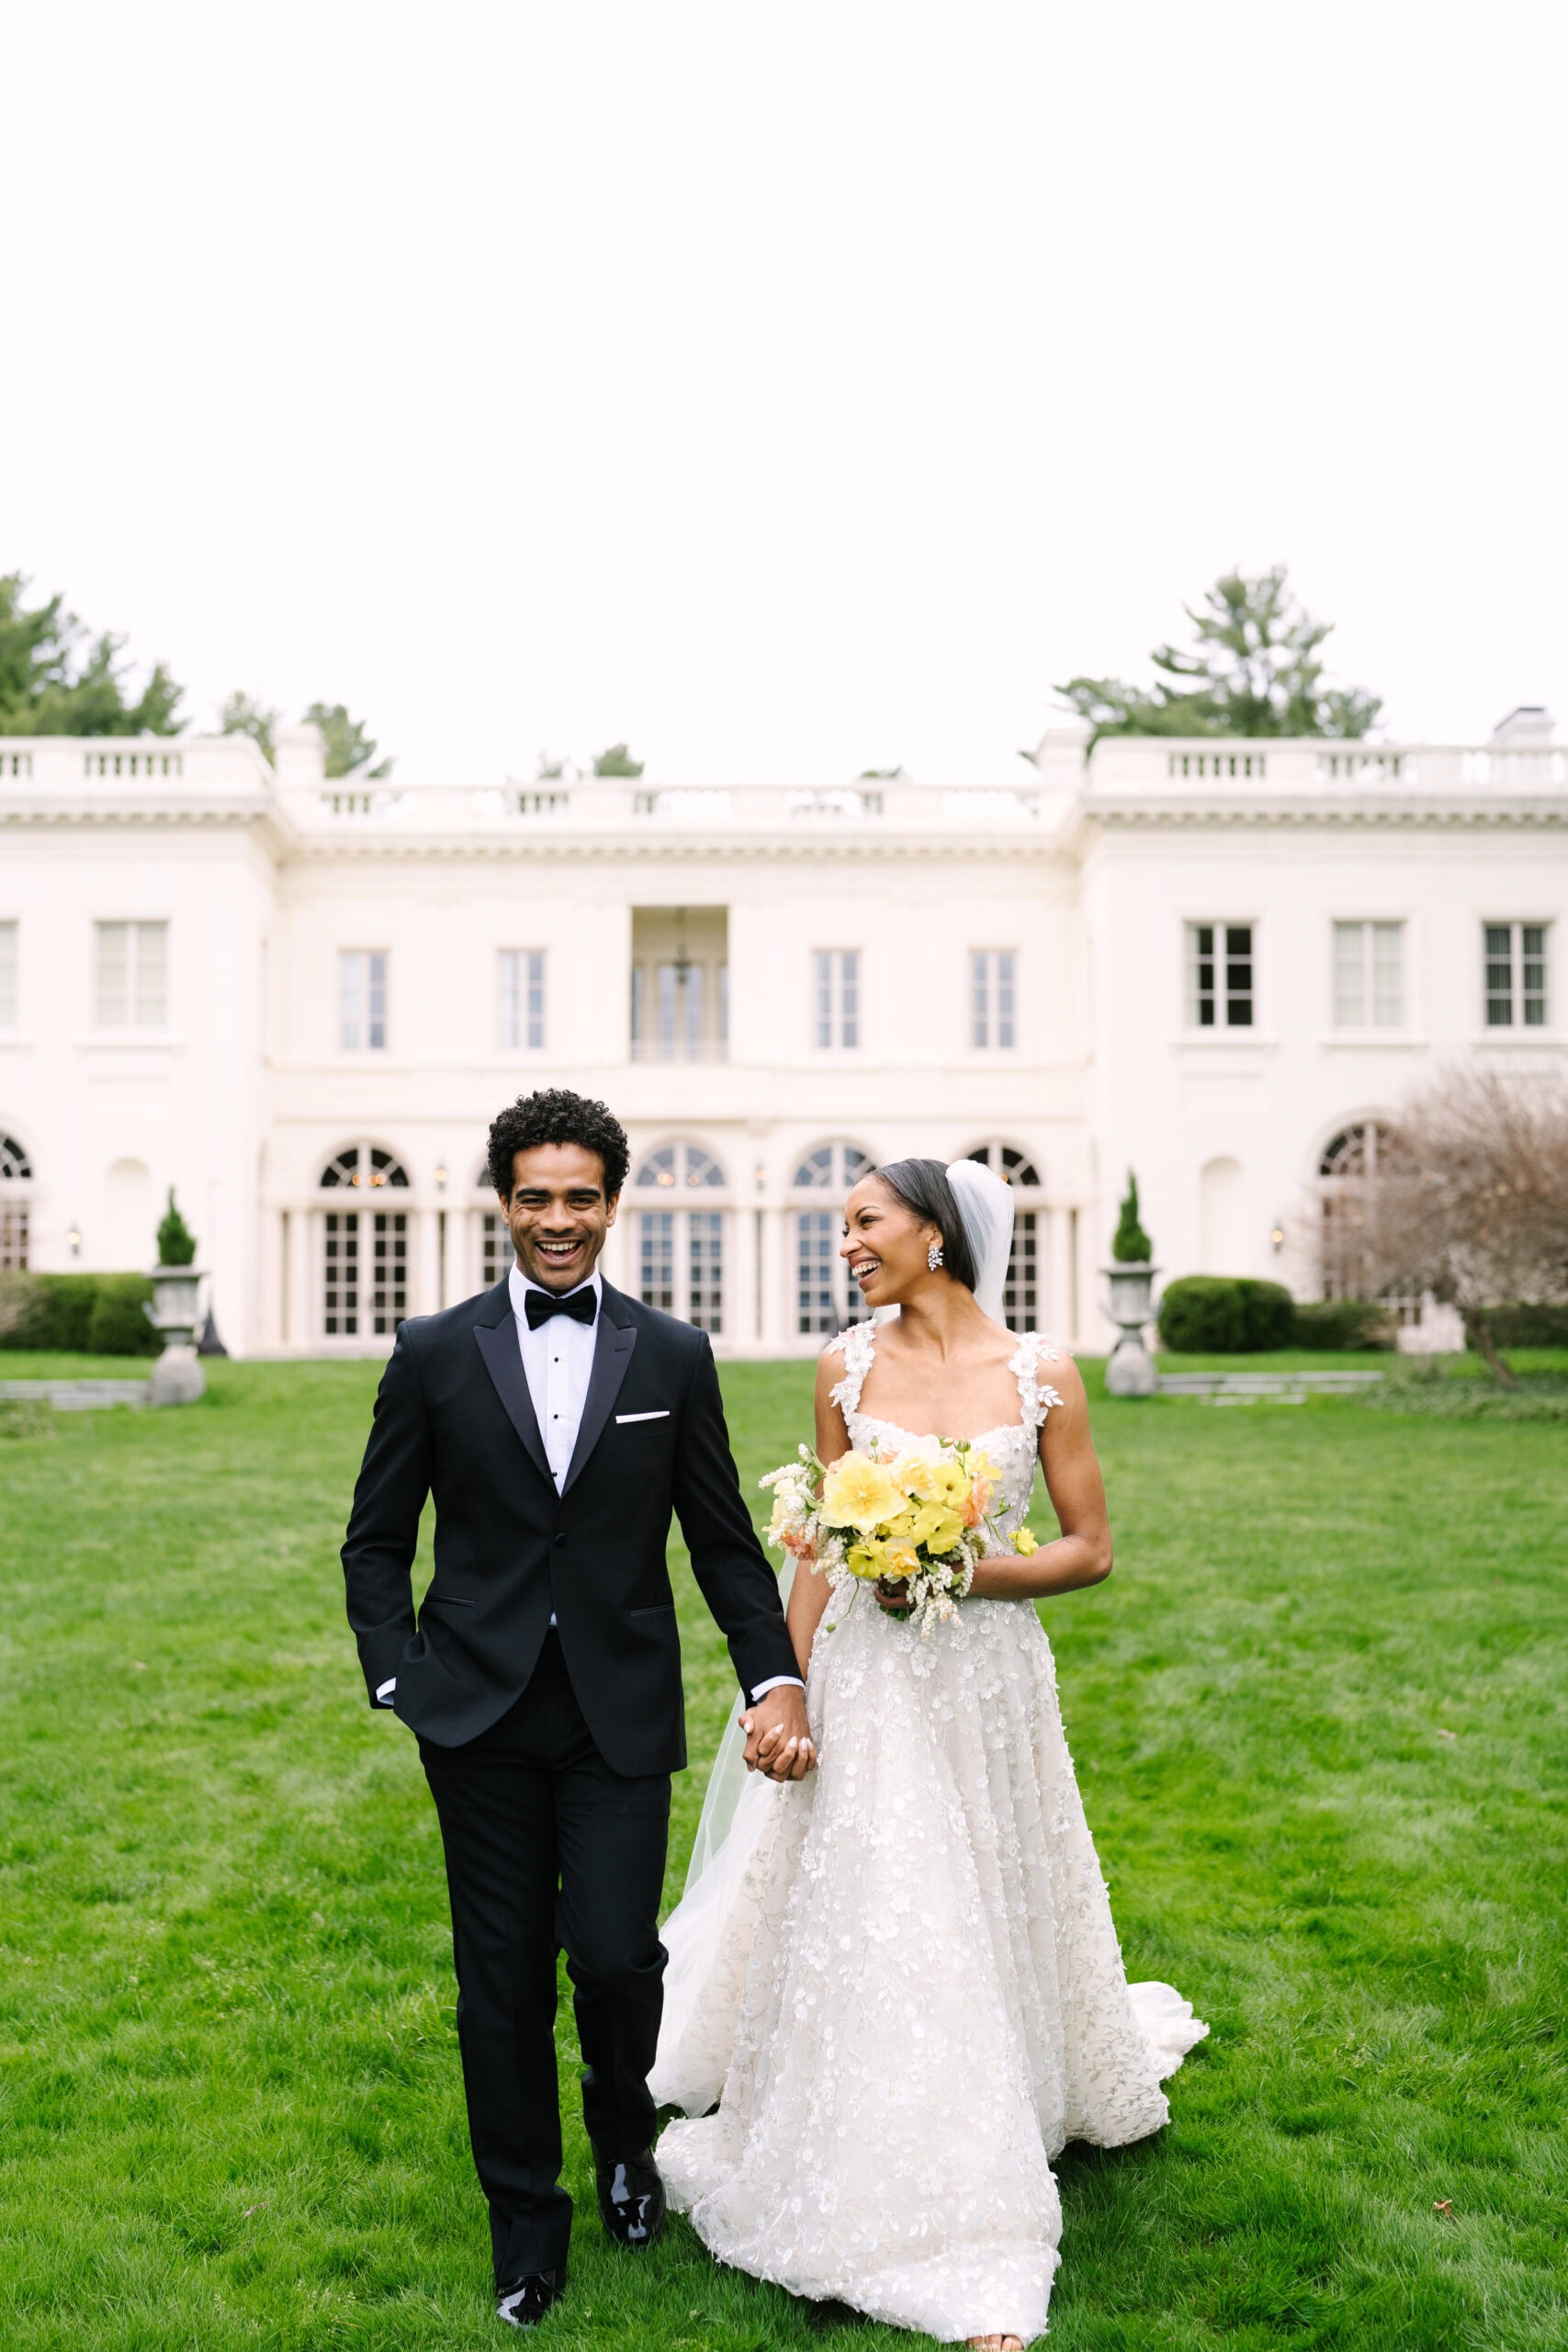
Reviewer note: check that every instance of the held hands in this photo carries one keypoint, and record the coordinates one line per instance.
(778, 1736)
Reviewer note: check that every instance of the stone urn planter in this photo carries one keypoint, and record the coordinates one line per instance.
(178, 1376)
(1130, 1305)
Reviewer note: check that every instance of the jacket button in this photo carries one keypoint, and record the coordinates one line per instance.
(560, 1537)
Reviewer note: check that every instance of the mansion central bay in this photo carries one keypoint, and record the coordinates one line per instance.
(300, 1001)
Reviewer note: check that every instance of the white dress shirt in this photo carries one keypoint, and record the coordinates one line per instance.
(558, 1364)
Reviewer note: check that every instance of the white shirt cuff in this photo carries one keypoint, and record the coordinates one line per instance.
(775, 1682)
(384, 1692)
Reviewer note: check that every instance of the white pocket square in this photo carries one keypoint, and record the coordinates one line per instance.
(663, 1415)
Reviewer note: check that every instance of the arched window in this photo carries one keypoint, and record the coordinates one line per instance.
(679, 1252)
(16, 1199)
(1348, 1177)
(365, 1252)
(825, 1299)
(680, 1167)
(1021, 1294)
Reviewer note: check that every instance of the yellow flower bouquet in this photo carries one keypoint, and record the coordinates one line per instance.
(915, 1522)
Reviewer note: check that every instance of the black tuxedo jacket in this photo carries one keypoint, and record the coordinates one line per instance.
(454, 1419)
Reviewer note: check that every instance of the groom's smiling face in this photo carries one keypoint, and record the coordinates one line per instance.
(559, 1213)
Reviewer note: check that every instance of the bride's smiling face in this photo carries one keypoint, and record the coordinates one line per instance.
(885, 1244)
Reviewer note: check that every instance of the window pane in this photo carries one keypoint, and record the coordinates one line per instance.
(151, 958)
(824, 964)
(536, 1030)
(1388, 975)
(705, 1271)
(7, 975)
(851, 999)
(375, 993)
(1021, 1292)
(1200, 975)
(509, 1023)
(639, 1003)
(340, 1297)
(351, 979)
(1349, 977)
(1499, 975)
(980, 997)
(657, 1260)
(114, 974)
(1532, 973)
(1005, 964)
(1238, 976)
(496, 1252)
(388, 1296)
(816, 1248)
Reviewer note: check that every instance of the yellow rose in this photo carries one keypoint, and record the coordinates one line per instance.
(899, 1560)
(860, 1492)
(1025, 1543)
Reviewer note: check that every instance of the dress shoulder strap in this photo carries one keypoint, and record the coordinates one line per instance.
(858, 1345)
(1036, 1396)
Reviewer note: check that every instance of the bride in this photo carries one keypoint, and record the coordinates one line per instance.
(896, 1975)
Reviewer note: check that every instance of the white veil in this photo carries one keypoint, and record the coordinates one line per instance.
(696, 2036)
(985, 1203)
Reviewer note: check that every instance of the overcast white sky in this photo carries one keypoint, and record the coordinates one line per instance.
(791, 390)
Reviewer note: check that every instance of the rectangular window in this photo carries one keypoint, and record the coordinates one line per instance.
(496, 1253)
(1369, 974)
(522, 999)
(993, 991)
(1219, 975)
(8, 990)
(132, 975)
(1515, 973)
(362, 981)
(837, 996)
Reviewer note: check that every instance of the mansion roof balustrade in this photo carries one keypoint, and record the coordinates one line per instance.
(1522, 773)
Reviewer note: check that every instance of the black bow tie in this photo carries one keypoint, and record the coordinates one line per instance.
(582, 1305)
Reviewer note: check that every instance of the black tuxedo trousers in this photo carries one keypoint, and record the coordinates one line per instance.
(548, 1750)
(546, 1850)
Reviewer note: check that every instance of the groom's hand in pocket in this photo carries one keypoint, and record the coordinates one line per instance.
(778, 1735)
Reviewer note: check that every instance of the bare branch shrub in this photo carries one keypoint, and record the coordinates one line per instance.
(1471, 1199)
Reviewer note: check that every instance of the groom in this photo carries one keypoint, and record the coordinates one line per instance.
(557, 1424)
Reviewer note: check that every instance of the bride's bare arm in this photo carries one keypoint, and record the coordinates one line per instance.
(810, 1593)
(1081, 1555)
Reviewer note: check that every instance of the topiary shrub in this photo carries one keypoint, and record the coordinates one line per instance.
(1345, 1323)
(1225, 1315)
(1130, 1245)
(117, 1325)
(177, 1243)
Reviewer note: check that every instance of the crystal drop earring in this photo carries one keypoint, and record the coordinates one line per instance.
(934, 1256)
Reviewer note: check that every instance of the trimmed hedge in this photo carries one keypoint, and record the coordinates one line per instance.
(1344, 1323)
(1226, 1314)
(97, 1315)
(1529, 1326)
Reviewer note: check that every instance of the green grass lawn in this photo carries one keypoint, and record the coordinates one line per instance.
(1319, 1717)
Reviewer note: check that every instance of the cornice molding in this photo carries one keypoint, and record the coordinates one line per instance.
(1401, 813)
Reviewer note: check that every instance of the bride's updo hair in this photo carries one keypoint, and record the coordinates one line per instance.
(922, 1186)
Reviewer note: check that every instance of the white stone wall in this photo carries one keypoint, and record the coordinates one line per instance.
(1089, 876)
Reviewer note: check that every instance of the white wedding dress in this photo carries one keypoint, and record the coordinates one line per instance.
(902, 1975)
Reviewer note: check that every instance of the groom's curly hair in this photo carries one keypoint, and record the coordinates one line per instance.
(557, 1115)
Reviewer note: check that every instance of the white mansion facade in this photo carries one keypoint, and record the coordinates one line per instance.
(300, 1001)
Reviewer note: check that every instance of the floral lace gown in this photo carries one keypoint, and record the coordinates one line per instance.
(910, 1990)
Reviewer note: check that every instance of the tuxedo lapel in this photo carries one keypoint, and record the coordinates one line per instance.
(496, 1331)
(613, 1343)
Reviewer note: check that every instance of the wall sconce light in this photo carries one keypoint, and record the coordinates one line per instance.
(73, 1240)
(441, 1180)
(1278, 1238)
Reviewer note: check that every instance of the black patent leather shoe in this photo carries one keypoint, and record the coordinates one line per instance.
(631, 2196)
(524, 2302)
